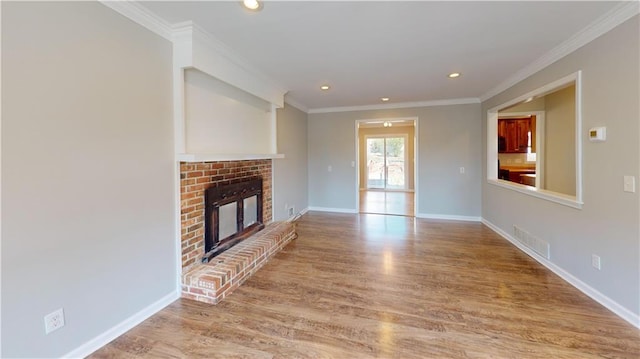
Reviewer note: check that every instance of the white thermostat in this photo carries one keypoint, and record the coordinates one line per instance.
(598, 134)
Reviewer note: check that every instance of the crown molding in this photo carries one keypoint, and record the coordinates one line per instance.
(219, 48)
(455, 101)
(295, 103)
(179, 32)
(142, 16)
(194, 47)
(599, 27)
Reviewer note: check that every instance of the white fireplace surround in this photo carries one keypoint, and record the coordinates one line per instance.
(195, 49)
(224, 109)
(220, 119)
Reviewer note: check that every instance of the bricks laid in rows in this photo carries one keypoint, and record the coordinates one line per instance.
(195, 178)
(212, 282)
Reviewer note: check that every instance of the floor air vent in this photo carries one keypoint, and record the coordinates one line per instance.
(536, 244)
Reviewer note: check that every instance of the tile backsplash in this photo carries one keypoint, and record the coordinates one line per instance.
(515, 159)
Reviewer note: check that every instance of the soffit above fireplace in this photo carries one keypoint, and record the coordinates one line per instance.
(195, 48)
(224, 109)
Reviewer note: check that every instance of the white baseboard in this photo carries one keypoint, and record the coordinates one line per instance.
(101, 340)
(448, 217)
(298, 215)
(336, 210)
(619, 310)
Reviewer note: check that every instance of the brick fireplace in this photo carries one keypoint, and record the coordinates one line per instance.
(225, 120)
(214, 280)
(195, 178)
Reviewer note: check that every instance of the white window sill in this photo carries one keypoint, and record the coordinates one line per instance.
(555, 197)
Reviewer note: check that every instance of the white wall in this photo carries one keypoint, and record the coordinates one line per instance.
(222, 119)
(449, 137)
(608, 223)
(290, 183)
(88, 173)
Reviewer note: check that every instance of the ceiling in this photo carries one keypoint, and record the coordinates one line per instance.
(401, 50)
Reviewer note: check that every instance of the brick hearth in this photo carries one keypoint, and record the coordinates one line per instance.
(214, 281)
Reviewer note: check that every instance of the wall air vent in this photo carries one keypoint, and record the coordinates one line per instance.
(538, 245)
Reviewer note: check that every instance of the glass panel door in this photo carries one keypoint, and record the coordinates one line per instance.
(386, 163)
(376, 176)
(395, 162)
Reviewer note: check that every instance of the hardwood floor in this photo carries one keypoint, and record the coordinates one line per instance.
(373, 286)
(387, 202)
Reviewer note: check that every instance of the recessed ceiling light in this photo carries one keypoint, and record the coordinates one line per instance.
(384, 99)
(252, 4)
(324, 87)
(453, 75)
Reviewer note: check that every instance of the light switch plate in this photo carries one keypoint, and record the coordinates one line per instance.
(598, 134)
(629, 184)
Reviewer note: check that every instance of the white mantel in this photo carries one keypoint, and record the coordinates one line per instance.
(190, 157)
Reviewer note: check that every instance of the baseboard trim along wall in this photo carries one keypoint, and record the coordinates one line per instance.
(103, 339)
(336, 210)
(419, 215)
(594, 294)
(448, 217)
(298, 215)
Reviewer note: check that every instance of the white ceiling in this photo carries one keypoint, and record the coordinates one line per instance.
(403, 50)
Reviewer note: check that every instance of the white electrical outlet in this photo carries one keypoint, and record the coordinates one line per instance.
(54, 321)
(629, 184)
(595, 261)
(461, 170)
(291, 211)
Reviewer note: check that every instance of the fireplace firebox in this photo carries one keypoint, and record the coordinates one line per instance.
(233, 212)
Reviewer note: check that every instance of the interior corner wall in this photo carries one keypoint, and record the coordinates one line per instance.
(448, 138)
(609, 222)
(290, 180)
(88, 173)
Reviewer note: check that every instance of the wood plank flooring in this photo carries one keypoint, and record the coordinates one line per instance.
(387, 202)
(373, 286)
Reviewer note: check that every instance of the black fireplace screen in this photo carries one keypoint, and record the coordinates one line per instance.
(233, 212)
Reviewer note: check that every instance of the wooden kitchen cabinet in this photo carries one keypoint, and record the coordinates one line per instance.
(513, 135)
